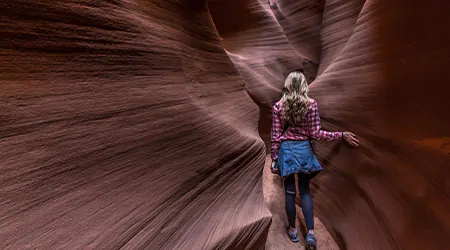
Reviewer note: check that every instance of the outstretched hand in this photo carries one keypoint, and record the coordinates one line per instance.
(273, 169)
(350, 138)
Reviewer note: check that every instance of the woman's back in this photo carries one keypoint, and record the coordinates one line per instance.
(295, 120)
(307, 128)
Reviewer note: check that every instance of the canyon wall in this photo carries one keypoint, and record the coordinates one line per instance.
(379, 72)
(124, 124)
(131, 124)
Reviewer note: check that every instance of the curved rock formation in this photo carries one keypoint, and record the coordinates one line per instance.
(380, 74)
(127, 123)
(386, 84)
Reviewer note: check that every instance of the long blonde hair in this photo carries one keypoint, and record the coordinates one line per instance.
(295, 100)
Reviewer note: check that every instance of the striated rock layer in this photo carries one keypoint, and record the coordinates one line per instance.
(387, 84)
(127, 123)
(380, 73)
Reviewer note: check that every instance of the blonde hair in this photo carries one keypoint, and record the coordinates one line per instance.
(295, 100)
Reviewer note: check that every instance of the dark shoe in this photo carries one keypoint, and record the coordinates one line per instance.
(293, 236)
(310, 242)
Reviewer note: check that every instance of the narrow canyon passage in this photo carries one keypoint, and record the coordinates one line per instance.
(137, 124)
(363, 65)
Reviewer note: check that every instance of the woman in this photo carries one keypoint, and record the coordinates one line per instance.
(295, 122)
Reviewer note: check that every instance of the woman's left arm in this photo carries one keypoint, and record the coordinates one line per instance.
(276, 132)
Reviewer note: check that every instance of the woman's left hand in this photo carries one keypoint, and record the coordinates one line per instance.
(273, 169)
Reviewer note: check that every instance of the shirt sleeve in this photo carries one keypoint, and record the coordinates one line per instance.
(315, 131)
(276, 132)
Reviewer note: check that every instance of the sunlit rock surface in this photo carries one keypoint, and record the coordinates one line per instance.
(131, 124)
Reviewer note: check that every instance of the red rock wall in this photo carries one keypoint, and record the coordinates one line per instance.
(381, 75)
(125, 124)
(387, 84)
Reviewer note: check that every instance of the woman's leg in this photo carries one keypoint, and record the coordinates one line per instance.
(289, 188)
(307, 202)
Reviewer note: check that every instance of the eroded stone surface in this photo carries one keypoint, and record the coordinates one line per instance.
(381, 75)
(125, 125)
(128, 123)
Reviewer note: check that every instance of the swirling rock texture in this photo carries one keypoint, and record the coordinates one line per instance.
(127, 123)
(379, 74)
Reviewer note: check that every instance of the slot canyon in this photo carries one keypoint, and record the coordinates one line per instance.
(145, 124)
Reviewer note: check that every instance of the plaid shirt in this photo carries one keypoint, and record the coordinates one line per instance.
(299, 131)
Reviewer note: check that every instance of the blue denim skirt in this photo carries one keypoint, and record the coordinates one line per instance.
(297, 157)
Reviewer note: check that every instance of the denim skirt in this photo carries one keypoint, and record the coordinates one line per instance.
(297, 157)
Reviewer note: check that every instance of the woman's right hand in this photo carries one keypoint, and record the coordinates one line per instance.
(273, 169)
(350, 138)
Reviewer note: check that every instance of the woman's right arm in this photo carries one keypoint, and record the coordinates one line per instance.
(316, 133)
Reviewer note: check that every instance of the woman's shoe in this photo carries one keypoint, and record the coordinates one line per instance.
(310, 242)
(293, 236)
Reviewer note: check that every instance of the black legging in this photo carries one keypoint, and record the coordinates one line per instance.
(305, 196)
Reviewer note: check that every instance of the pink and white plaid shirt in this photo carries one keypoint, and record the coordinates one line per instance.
(299, 131)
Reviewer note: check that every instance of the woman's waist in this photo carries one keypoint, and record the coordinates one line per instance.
(296, 137)
(295, 146)
(296, 141)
